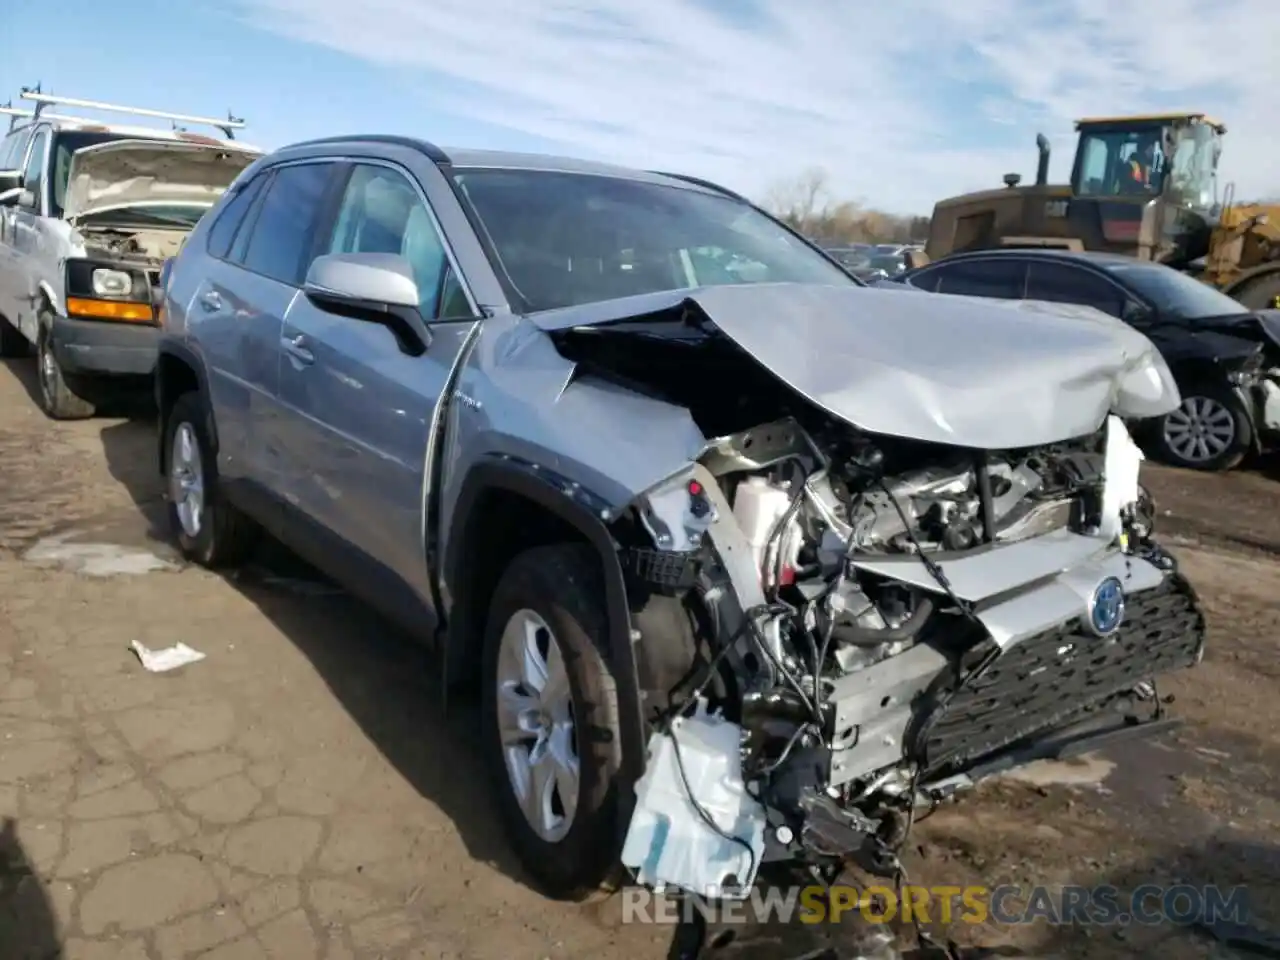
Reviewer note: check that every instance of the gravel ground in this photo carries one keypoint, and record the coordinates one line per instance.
(298, 794)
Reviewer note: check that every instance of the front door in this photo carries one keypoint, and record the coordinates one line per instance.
(360, 410)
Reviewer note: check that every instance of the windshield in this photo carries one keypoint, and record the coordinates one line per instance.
(65, 143)
(1193, 169)
(1175, 294)
(565, 239)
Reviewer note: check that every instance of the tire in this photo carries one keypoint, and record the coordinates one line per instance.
(560, 585)
(220, 536)
(1262, 293)
(57, 399)
(12, 342)
(1211, 406)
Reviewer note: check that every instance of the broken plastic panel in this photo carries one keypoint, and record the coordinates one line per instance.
(695, 771)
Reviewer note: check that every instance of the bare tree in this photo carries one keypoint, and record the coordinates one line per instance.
(807, 204)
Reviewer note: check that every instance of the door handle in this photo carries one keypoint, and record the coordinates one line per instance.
(211, 301)
(296, 347)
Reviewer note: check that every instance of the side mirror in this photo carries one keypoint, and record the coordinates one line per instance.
(1135, 313)
(372, 287)
(27, 198)
(10, 180)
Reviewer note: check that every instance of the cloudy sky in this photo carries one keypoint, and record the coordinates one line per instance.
(900, 102)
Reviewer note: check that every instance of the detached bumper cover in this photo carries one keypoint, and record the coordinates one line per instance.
(103, 347)
(1056, 677)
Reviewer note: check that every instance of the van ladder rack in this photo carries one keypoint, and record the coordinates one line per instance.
(43, 100)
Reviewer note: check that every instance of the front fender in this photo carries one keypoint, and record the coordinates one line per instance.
(583, 511)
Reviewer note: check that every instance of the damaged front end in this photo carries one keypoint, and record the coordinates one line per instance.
(872, 621)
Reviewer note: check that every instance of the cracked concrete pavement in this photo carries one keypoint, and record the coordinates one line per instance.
(295, 795)
(298, 795)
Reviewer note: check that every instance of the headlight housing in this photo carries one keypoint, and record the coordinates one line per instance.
(107, 282)
(98, 290)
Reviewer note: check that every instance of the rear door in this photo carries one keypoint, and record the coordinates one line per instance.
(360, 410)
(257, 256)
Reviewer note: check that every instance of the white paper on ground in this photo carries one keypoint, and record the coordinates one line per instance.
(170, 658)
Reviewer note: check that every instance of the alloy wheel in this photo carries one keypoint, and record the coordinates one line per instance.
(1200, 429)
(536, 724)
(186, 480)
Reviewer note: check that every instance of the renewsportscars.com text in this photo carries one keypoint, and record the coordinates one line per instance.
(1148, 905)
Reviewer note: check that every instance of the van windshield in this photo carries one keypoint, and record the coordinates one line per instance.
(65, 143)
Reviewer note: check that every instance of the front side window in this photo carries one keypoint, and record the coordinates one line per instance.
(1003, 279)
(1062, 283)
(381, 212)
(284, 228)
(1117, 163)
(564, 239)
(33, 175)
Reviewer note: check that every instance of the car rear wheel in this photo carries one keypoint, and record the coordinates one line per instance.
(208, 529)
(550, 720)
(1209, 431)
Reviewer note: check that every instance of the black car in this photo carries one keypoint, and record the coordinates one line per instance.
(1225, 359)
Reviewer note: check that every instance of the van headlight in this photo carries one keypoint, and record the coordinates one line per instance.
(111, 283)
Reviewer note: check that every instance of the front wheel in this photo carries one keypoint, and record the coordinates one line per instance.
(550, 720)
(57, 399)
(1210, 430)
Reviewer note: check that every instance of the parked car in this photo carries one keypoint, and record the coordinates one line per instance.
(1226, 359)
(88, 213)
(670, 521)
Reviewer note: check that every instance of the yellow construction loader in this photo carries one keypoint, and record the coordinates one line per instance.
(1146, 186)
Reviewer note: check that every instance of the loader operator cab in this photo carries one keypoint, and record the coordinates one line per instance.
(1173, 157)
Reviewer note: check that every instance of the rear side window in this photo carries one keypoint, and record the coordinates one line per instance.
(223, 231)
(284, 228)
(1062, 283)
(1002, 279)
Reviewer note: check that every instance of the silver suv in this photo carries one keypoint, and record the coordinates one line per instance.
(744, 569)
(88, 213)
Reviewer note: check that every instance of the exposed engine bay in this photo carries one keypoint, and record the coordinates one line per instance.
(885, 621)
(140, 247)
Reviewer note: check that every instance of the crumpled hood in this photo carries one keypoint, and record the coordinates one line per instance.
(124, 173)
(1259, 327)
(977, 373)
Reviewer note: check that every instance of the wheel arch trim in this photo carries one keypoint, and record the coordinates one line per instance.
(581, 513)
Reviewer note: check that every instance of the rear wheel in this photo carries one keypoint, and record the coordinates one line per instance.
(1209, 431)
(209, 530)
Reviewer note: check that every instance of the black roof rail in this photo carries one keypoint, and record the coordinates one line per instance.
(699, 182)
(433, 153)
